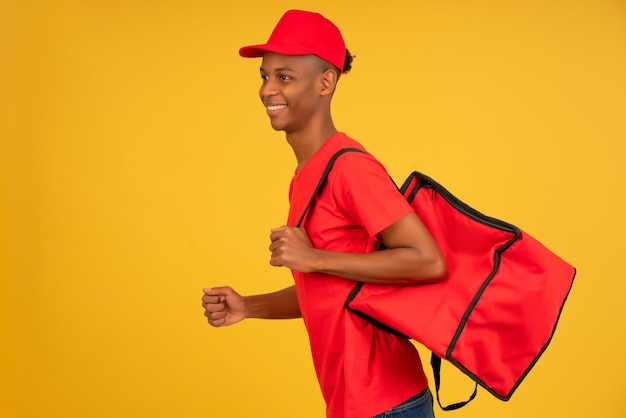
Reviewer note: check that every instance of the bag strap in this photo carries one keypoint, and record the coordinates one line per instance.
(435, 362)
(323, 178)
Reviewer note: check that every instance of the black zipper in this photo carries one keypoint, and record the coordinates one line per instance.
(464, 208)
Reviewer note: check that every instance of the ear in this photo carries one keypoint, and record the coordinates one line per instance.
(328, 82)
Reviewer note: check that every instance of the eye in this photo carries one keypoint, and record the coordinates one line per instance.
(284, 77)
(264, 77)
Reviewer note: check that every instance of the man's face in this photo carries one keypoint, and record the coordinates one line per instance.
(290, 90)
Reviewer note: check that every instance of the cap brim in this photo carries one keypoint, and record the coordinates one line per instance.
(256, 51)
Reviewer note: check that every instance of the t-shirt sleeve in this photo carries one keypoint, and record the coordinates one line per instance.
(363, 189)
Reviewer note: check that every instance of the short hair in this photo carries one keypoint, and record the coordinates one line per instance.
(347, 63)
(347, 66)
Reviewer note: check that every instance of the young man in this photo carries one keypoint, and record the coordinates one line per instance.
(362, 370)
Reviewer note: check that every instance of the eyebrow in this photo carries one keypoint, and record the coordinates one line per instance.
(281, 69)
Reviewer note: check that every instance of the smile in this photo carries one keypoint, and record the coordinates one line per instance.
(275, 107)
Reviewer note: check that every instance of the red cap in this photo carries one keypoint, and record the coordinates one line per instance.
(303, 33)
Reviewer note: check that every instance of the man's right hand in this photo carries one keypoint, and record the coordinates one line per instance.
(223, 306)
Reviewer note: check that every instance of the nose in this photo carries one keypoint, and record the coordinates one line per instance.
(269, 88)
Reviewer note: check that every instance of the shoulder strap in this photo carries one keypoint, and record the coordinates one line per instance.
(435, 360)
(323, 178)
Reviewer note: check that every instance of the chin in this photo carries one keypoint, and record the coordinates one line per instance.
(277, 127)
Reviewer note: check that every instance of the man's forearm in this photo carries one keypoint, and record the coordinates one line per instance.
(391, 266)
(282, 304)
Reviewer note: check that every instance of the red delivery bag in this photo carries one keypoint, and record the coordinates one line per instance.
(497, 309)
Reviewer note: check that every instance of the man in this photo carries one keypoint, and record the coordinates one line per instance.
(362, 370)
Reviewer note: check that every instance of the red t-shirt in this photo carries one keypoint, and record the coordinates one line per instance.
(362, 370)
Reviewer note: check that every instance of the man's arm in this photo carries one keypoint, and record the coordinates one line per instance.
(224, 306)
(412, 255)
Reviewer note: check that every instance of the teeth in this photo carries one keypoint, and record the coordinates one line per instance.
(276, 107)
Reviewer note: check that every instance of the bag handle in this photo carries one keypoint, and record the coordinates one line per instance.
(435, 362)
(323, 178)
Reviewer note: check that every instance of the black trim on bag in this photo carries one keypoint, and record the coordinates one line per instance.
(427, 182)
(355, 290)
(462, 207)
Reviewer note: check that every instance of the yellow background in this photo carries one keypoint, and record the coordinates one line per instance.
(138, 166)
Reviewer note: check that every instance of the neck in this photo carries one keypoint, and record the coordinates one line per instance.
(305, 144)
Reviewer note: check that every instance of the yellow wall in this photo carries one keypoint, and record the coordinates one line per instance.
(137, 166)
